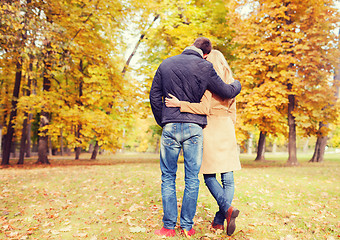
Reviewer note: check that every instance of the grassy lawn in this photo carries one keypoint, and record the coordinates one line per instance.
(118, 197)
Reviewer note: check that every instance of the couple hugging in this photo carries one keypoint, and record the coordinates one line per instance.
(192, 99)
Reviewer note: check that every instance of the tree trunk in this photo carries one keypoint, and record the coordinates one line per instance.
(95, 151)
(320, 145)
(0, 139)
(23, 141)
(78, 135)
(61, 143)
(29, 131)
(10, 130)
(32, 87)
(44, 117)
(24, 135)
(316, 151)
(77, 150)
(292, 159)
(77, 153)
(261, 147)
(43, 140)
(28, 140)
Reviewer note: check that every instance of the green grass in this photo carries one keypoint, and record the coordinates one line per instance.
(118, 197)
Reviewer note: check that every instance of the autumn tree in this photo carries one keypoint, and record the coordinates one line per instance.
(13, 40)
(90, 82)
(75, 52)
(278, 64)
(328, 106)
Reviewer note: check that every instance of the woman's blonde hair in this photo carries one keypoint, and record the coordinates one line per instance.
(220, 65)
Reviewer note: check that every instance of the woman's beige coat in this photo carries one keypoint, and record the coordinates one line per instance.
(220, 152)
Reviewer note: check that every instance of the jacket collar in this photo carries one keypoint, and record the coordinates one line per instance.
(194, 50)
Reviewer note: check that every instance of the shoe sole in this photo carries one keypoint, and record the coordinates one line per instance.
(232, 225)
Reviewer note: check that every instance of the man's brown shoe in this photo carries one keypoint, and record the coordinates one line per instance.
(231, 215)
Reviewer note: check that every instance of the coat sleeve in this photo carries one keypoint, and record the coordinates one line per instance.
(156, 97)
(222, 89)
(202, 108)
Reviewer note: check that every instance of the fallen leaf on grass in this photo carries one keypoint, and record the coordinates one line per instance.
(48, 224)
(55, 232)
(137, 229)
(13, 234)
(299, 230)
(210, 235)
(7, 227)
(99, 212)
(66, 229)
(135, 207)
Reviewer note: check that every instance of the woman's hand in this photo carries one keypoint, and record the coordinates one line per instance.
(172, 102)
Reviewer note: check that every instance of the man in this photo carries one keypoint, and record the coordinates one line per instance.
(185, 76)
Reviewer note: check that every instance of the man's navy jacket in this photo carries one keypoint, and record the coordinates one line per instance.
(186, 76)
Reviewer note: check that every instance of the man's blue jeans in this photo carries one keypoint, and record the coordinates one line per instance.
(189, 137)
(223, 194)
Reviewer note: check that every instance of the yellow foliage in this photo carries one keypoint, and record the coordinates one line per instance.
(283, 43)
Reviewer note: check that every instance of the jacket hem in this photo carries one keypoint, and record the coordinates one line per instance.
(183, 121)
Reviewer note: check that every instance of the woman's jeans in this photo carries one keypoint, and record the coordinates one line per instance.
(189, 137)
(223, 194)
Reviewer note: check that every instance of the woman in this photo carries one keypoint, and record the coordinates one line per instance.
(220, 153)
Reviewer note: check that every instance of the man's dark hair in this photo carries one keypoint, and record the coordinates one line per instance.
(204, 44)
